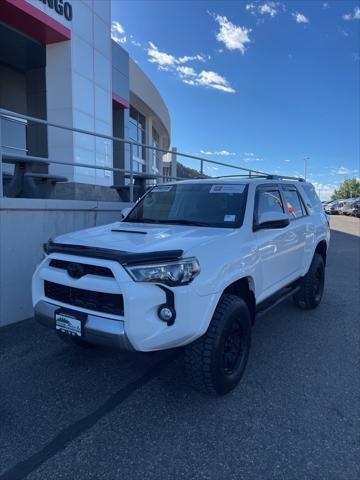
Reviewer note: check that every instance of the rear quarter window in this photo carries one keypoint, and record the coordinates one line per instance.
(311, 194)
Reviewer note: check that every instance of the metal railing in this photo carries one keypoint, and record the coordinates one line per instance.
(130, 172)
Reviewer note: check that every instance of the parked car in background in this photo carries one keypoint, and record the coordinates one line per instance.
(345, 204)
(349, 207)
(355, 211)
(332, 208)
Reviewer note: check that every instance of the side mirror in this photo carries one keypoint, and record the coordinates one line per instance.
(272, 220)
(125, 212)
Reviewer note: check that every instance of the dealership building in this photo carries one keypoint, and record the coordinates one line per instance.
(59, 63)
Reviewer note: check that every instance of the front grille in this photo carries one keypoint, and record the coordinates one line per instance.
(88, 269)
(97, 301)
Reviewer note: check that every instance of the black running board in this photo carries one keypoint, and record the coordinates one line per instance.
(268, 304)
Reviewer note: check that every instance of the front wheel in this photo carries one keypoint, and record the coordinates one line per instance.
(215, 362)
(312, 285)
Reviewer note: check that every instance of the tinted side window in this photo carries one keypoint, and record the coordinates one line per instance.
(312, 195)
(293, 203)
(268, 201)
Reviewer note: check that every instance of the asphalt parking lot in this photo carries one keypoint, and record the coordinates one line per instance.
(68, 413)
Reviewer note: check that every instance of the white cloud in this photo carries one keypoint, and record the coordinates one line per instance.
(343, 32)
(190, 58)
(188, 75)
(353, 16)
(186, 71)
(134, 42)
(253, 159)
(205, 78)
(325, 5)
(164, 59)
(232, 36)
(267, 8)
(287, 161)
(343, 171)
(118, 32)
(209, 168)
(161, 58)
(220, 153)
(213, 80)
(300, 18)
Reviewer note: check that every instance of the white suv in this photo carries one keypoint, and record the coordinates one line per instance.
(191, 265)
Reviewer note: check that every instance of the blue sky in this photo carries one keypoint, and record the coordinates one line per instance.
(259, 84)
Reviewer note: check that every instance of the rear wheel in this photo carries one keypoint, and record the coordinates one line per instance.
(312, 285)
(216, 362)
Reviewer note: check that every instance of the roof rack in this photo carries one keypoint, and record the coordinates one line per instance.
(268, 176)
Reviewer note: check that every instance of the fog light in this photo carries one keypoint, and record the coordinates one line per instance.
(167, 314)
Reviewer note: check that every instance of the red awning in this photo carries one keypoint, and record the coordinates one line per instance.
(26, 18)
(119, 101)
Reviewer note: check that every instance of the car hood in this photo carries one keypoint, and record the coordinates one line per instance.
(143, 237)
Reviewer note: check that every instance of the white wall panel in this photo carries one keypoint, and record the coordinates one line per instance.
(102, 70)
(102, 39)
(82, 24)
(82, 57)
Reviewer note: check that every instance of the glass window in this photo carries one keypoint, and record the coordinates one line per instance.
(137, 132)
(155, 164)
(268, 201)
(311, 194)
(293, 203)
(208, 204)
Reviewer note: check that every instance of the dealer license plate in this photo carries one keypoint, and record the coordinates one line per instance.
(66, 323)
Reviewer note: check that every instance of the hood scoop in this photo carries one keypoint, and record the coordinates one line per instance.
(120, 230)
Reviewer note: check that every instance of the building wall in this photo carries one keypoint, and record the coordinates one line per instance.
(120, 71)
(79, 83)
(121, 91)
(146, 92)
(24, 226)
(145, 97)
(82, 76)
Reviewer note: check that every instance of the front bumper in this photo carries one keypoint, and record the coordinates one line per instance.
(139, 328)
(97, 329)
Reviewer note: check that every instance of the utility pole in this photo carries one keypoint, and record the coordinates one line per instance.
(305, 166)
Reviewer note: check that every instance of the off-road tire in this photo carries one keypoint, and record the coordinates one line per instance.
(207, 359)
(312, 285)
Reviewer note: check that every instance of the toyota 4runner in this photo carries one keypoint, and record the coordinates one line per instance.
(190, 265)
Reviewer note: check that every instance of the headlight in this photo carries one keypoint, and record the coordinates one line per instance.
(181, 272)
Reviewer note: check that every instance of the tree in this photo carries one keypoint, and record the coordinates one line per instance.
(349, 188)
(187, 172)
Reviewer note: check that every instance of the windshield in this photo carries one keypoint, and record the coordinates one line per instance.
(207, 204)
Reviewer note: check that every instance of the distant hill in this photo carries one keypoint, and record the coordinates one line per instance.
(187, 172)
